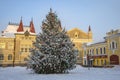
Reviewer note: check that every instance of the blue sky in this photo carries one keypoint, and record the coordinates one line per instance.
(101, 15)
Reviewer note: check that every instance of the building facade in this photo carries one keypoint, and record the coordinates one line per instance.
(103, 53)
(15, 42)
(113, 44)
(80, 37)
(17, 39)
(95, 54)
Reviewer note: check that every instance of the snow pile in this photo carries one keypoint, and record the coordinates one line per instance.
(79, 73)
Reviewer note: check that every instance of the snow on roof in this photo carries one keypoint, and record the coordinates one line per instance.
(12, 28)
(7, 35)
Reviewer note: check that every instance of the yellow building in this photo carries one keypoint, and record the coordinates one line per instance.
(15, 42)
(80, 37)
(113, 44)
(95, 54)
(103, 53)
(6, 50)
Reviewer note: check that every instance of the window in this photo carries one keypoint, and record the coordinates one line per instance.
(22, 49)
(101, 62)
(84, 53)
(96, 51)
(10, 46)
(25, 59)
(30, 38)
(104, 50)
(22, 38)
(113, 45)
(1, 57)
(25, 49)
(97, 62)
(88, 51)
(85, 63)
(110, 46)
(2, 45)
(10, 57)
(29, 49)
(105, 62)
(76, 35)
(93, 51)
(26, 37)
(100, 50)
(116, 45)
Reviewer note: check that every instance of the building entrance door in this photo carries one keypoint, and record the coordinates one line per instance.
(114, 59)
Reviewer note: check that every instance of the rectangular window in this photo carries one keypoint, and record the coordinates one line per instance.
(113, 45)
(104, 50)
(101, 62)
(22, 49)
(85, 53)
(10, 46)
(93, 51)
(97, 51)
(25, 49)
(97, 62)
(104, 62)
(29, 49)
(100, 50)
(2, 45)
(88, 52)
(1, 57)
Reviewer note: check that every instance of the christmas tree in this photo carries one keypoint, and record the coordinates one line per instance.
(53, 50)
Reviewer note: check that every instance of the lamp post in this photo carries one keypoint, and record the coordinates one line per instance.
(14, 53)
(88, 59)
(20, 57)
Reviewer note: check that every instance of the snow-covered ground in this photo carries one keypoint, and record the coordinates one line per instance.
(79, 73)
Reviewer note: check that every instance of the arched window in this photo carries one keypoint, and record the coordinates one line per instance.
(10, 57)
(1, 57)
(113, 45)
(76, 35)
(116, 45)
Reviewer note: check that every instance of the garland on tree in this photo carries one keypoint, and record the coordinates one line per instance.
(53, 50)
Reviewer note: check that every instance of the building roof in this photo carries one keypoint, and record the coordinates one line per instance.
(15, 28)
(20, 28)
(12, 28)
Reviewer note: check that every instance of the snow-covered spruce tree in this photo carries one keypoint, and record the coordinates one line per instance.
(53, 50)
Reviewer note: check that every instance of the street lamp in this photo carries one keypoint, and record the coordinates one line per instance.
(20, 56)
(89, 60)
(14, 53)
